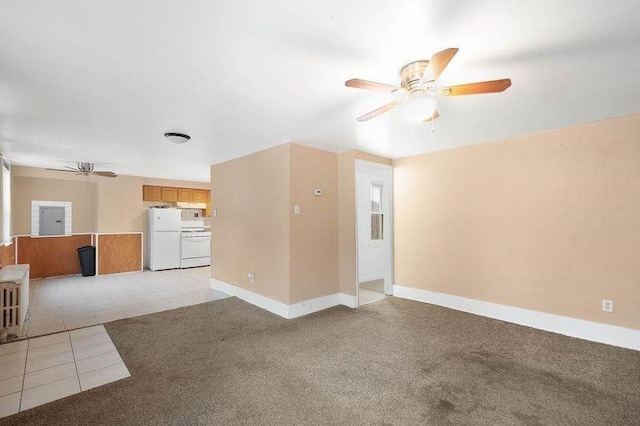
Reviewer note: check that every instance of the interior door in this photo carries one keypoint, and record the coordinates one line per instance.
(374, 223)
(371, 229)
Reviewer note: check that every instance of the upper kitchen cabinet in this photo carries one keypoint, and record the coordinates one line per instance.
(169, 195)
(151, 193)
(186, 195)
(200, 196)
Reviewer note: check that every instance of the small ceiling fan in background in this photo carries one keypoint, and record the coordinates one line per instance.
(86, 169)
(417, 87)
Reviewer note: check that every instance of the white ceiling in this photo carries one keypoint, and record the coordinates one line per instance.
(101, 81)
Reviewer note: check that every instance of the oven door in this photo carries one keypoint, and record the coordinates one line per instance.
(195, 247)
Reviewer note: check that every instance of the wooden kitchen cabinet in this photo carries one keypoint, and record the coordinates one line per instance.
(186, 195)
(169, 195)
(200, 196)
(151, 193)
(207, 212)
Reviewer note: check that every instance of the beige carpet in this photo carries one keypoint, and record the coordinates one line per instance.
(391, 362)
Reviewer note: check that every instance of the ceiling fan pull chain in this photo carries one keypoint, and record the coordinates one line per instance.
(433, 129)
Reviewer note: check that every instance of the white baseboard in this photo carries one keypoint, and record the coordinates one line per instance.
(313, 305)
(582, 329)
(347, 300)
(282, 309)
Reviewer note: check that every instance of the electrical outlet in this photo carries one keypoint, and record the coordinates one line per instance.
(251, 276)
(607, 305)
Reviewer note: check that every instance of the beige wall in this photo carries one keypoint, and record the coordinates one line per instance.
(99, 204)
(251, 229)
(548, 222)
(347, 274)
(313, 233)
(295, 257)
(82, 195)
(120, 205)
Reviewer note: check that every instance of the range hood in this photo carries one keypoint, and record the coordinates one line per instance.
(201, 206)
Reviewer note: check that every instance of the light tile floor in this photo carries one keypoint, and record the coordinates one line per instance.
(44, 369)
(67, 303)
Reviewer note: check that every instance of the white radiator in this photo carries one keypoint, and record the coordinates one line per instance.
(10, 315)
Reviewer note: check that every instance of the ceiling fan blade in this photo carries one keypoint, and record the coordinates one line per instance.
(492, 86)
(433, 117)
(75, 169)
(438, 63)
(62, 170)
(381, 110)
(105, 174)
(370, 85)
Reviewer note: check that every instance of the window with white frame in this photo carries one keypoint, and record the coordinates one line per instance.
(377, 217)
(6, 202)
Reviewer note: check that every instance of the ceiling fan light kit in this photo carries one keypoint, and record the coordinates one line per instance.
(415, 91)
(177, 138)
(420, 106)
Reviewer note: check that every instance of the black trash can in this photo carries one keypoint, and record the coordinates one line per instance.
(87, 255)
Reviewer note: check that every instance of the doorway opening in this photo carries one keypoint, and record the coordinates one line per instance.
(374, 231)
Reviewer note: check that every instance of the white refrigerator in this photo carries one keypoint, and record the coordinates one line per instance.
(163, 238)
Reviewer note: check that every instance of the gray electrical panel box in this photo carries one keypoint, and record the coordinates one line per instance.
(51, 220)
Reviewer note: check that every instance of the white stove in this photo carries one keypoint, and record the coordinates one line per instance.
(195, 245)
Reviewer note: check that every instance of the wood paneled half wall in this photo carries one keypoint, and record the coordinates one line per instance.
(119, 253)
(58, 256)
(7, 254)
(52, 256)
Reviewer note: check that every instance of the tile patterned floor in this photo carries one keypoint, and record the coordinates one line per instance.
(44, 369)
(67, 303)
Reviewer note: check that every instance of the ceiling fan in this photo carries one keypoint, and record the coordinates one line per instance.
(86, 169)
(417, 87)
